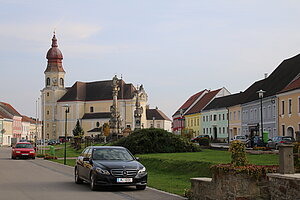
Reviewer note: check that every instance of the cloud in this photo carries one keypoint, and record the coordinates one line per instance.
(37, 32)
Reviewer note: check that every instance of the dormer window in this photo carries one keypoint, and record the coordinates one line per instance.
(48, 82)
(91, 109)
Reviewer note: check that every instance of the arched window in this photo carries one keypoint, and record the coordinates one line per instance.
(91, 109)
(47, 81)
(61, 81)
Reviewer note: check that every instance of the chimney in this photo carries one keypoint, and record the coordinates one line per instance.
(266, 75)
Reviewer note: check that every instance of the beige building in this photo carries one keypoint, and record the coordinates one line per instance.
(235, 122)
(289, 109)
(88, 102)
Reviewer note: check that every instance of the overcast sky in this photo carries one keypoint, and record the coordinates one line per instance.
(175, 48)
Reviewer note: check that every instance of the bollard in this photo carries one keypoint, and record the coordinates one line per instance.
(286, 159)
(52, 151)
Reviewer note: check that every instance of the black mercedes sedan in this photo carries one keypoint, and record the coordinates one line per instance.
(109, 166)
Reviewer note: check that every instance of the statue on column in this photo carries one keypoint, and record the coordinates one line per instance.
(138, 109)
(114, 121)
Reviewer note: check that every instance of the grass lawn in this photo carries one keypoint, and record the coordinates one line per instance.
(171, 172)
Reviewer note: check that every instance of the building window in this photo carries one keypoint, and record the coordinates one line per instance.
(47, 112)
(210, 130)
(203, 130)
(282, 107)
(47, 81)
(219, 117)
(283, 130)
(210, 117)
(239, 115)
(91, 109)
(215, 117)
(290, 106)
(158, 125)
(230, 116)
(198, 121)
(61, 80)
(204, 118)
(223, 116)
(224, 130)
(206, 130)
(47, 94)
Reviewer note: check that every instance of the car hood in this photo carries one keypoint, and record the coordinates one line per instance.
(118, 164)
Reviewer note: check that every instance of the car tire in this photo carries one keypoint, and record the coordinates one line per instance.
(78, 180)
(141, 187)
(33, 158)
(93, 183)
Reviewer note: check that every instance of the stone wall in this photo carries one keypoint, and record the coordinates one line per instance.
(231, 186)
(284, 187)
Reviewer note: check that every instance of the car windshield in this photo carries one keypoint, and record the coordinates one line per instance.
(26, 146)
(112, 154)
(240, 137)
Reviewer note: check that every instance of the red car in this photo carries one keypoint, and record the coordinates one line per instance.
(23, 150)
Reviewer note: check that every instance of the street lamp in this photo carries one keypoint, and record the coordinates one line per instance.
(66, 118)
(261, 96)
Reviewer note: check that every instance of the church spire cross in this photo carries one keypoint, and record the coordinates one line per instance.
(54, 40)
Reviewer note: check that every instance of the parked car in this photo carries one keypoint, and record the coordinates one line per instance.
(196, 139)
(255, 141)
(241, 138)
(109, 166)
(23, 150)
(275, 141)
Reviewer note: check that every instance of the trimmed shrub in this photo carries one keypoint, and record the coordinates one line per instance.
(238, 154)
(156, 141)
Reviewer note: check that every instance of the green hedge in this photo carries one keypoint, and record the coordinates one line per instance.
(156, 141)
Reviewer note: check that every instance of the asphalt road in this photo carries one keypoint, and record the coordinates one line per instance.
(44, 180)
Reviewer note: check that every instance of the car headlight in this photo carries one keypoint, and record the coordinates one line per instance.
(142, 171)
(18, 151)
(102, 171)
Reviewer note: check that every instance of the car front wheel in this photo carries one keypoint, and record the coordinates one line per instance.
(93, 183)
(78, 180)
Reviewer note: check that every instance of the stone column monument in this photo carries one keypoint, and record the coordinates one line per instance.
(114, 122)
(138, 109)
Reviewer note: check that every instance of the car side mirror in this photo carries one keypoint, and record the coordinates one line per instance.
(137, 158)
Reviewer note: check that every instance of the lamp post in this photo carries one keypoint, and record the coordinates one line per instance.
(66, 118)
(261, 96)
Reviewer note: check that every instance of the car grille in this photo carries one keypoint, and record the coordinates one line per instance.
(24, 151)
(123, 173)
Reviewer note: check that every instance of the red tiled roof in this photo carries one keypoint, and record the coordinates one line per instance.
(4, 115)
(190, 101)
(28, 119)
(156, 114)
(9, 109)
(292, 86)
(200, 105)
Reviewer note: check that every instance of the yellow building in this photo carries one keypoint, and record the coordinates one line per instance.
(289, 109)
(192, 122)
(88, 102)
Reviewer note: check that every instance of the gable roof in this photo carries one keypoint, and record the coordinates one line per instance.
(28, 119)
(158, 114)
(189, 102)
(200, 105)
(9, 109)
(286, 72)
(95, 91)
(295, 84)
(225, 101)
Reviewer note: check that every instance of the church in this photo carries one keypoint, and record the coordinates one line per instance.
(115, 102)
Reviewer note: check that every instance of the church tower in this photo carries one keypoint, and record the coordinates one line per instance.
(54, 89)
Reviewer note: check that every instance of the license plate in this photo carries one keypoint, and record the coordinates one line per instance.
(24, 154)
(124, 180)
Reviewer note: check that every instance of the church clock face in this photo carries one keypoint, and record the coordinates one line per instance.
(54, 80)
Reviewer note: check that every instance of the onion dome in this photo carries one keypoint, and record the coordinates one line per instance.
(54, 57)
(54, 52)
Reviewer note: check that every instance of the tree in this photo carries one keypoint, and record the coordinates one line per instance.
(78, 134)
